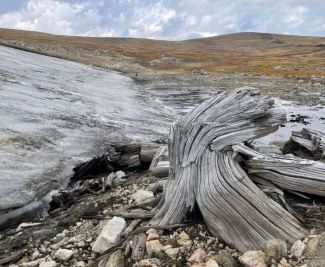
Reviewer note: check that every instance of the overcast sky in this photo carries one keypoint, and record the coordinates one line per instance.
(164, 19)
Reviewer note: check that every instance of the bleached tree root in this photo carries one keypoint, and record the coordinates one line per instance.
(288, 172)
(202, 171)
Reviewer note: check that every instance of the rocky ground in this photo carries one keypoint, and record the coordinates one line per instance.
(301, 91)
(76, 230)
(97, 217)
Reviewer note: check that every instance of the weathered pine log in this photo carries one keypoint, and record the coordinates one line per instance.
(312, 140)
(286, 171)
(202, 171)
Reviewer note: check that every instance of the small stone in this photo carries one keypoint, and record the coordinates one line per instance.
(152, 234)
(211, 263)
(151, 231)
(109, 179)
(79, 264)
(59, 236)
(312, 246)
(254, 258)
(63, 254)
(150, 263)
(184, 236)
(36, 254)
(154, 248)
(142, 196)
(185, 243)
(298, 248)
(283, 263)
(110, 235)
(30, 264)
(58, 244)
(225, 259)
(120, 174)
(48, 264)
(184, 240)
(117, 259)
(198, 256)
(275, 249)
(81, 244)
(172, 252)
(235, 254)
(42, 249)
(152, 237)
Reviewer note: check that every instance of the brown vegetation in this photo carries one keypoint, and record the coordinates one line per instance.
(257, 53)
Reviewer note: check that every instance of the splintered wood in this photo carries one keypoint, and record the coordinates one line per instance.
(204, 171)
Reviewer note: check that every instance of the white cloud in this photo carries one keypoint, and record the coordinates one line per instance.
(296, 17)
(207, 34)
(149, 21)
(304, 17)
(56, 17)
(165, 19)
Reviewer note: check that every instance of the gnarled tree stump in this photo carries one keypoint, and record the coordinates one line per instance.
(204, 171)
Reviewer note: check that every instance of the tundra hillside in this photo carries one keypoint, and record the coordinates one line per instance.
(286, 56)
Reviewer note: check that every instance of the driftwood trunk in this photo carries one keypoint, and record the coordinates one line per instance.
(203, 171)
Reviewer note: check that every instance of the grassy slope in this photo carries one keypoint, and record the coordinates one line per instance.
(259, 53)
